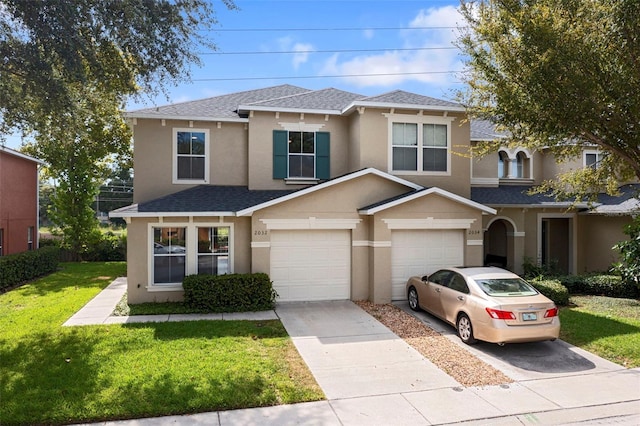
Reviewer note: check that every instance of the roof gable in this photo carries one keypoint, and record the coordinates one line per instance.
(336, 181)
(410, 196)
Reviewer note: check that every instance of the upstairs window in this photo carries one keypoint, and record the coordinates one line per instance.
(301, 155)
(435, 147)
(419, 144)
(592, 159)
(405, 146)
(190, 152)
(503, 165)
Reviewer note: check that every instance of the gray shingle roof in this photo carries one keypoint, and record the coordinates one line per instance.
(508, 195)
(224, 106)
(211, 198)
(485, 130)
(400, 97)
(325, 99)
(626, 203)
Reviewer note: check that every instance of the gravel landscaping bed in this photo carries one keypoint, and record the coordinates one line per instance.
(459, 363)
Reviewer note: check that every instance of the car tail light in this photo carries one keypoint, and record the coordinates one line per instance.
(551, 313)
(498, 314)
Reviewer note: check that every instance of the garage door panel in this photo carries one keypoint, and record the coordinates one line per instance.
(420, 252)
(311, 265)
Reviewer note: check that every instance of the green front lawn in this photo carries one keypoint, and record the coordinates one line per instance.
(56, 375)
(605, 326)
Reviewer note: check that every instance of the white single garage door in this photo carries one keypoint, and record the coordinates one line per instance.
(311, 265)
(420, 252)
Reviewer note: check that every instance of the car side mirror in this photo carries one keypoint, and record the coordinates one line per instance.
(425, 278)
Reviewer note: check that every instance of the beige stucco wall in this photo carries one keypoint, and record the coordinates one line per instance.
(261, 127)
(139, 254)
(597, 236)
(153, 151)
(485, 167)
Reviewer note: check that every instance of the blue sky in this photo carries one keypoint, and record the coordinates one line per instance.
(352, 37)
(329, 38)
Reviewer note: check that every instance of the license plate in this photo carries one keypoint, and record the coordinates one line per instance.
(529, 316)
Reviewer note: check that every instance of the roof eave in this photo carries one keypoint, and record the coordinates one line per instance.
(387, 105)
(291, 110)
(185, 117)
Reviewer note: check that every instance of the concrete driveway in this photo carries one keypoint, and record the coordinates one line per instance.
(351, 354)
(525, 361)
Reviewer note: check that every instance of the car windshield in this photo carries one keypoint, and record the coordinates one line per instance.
(506, 287)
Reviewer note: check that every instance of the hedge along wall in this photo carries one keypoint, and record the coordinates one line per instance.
(229, 293)
(19, 268)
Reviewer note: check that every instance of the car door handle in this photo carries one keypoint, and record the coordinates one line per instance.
(460, 298)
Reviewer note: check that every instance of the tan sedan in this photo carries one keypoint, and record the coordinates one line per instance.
(486, 303)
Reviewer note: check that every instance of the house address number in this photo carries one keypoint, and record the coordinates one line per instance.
(473, 232)
(264, 232)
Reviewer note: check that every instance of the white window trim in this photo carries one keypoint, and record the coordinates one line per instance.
(174, 153)
(595, 152)
(191, 259)
(419, 120)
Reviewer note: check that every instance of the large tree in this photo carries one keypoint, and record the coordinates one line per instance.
(66, 69)
(116, 47)
(559, 74)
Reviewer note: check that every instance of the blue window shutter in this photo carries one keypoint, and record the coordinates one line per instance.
(280, 154)
(323, 158)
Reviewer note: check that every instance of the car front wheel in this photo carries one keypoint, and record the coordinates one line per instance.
(413, 299)
(465, 329)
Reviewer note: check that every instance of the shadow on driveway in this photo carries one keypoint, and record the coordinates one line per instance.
(523, 361)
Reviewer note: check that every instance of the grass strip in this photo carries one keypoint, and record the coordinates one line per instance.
(58, 375)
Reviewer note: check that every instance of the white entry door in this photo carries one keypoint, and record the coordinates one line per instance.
(311, 265)
(422, 252)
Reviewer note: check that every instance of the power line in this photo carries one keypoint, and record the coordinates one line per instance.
(322, 76)
(248, 30)
(329, 51)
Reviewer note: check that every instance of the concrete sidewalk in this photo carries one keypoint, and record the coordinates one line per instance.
(372, 377)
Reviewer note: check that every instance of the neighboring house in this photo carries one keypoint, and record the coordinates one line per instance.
(18, 202)
(335, 195)
(569, 238)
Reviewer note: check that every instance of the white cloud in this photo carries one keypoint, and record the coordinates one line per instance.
(368, 34)
(287, 44)
(387, 63)
(303, 55)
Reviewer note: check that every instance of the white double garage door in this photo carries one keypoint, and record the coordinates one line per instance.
(316, 265)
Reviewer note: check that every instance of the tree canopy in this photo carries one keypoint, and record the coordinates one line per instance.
(559, 74)
(51, 49)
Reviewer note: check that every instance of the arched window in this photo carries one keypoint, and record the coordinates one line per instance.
(503, 164)
(522, 165)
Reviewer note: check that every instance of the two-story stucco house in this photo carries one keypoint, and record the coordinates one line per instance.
(570, 238)
(18, 201)
(335, 195)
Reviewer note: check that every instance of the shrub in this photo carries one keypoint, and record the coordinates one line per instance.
(106, 247)
(16, 269)
(610, 285)
(229, 293)
(600, 285)
(553, 289)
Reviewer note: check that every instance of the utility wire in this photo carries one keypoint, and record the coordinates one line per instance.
(256, 30)
(320, 76)
(329, 51)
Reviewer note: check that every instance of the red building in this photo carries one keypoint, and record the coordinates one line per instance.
(18, 201)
